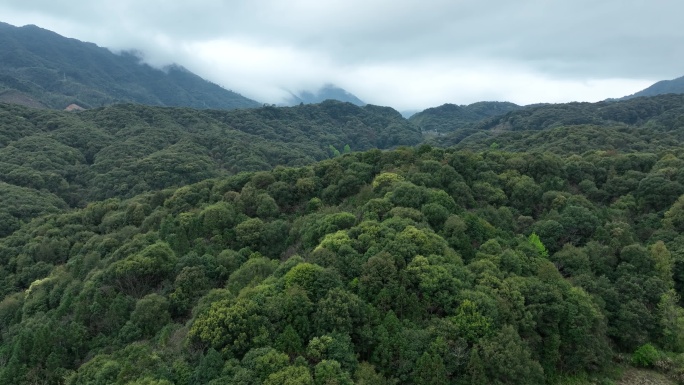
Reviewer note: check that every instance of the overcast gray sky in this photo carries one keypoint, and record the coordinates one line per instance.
(407, 54)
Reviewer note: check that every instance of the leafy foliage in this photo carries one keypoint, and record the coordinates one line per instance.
(634, 125)
(450, 117)
(414, 265)
(49, 160)
(396, 279)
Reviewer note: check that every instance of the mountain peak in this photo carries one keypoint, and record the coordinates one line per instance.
(56, 71)
(327, 91)
(674, 86)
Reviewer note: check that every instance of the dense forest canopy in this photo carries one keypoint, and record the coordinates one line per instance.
(655, 122)
(411, 266)
(450, 117)
(50, 160)
(147, 245)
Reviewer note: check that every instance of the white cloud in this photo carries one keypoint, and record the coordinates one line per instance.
(408, 54)
(421, 87)
(264, 73)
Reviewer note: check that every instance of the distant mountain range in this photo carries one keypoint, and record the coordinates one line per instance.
(460, 121)
(661, 111)
(675, 86)
(328, 91)
(39, 68)
(42, 69)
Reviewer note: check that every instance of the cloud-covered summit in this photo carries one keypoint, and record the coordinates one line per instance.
(409, 54)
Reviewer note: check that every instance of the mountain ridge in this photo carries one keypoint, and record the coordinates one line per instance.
(674, 86)
(326, 92)
(57, 71)
(450, 117)
(662, 111)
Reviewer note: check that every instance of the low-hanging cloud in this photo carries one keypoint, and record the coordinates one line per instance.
(409, 54)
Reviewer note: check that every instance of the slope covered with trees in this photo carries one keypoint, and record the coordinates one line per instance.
(674, 86)
(41, 68)
(50, 160)
(412, 266)
(636, 124)
(450, 117)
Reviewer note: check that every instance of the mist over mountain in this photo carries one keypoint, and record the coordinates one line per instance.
(327, 92)
(40, 68)
(674, 86)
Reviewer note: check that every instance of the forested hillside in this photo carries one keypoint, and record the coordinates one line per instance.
(630, 125)
(150, 245)
(51, 160)
(674, 86)
(411, 266)
(41, 68)
(450, 117)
